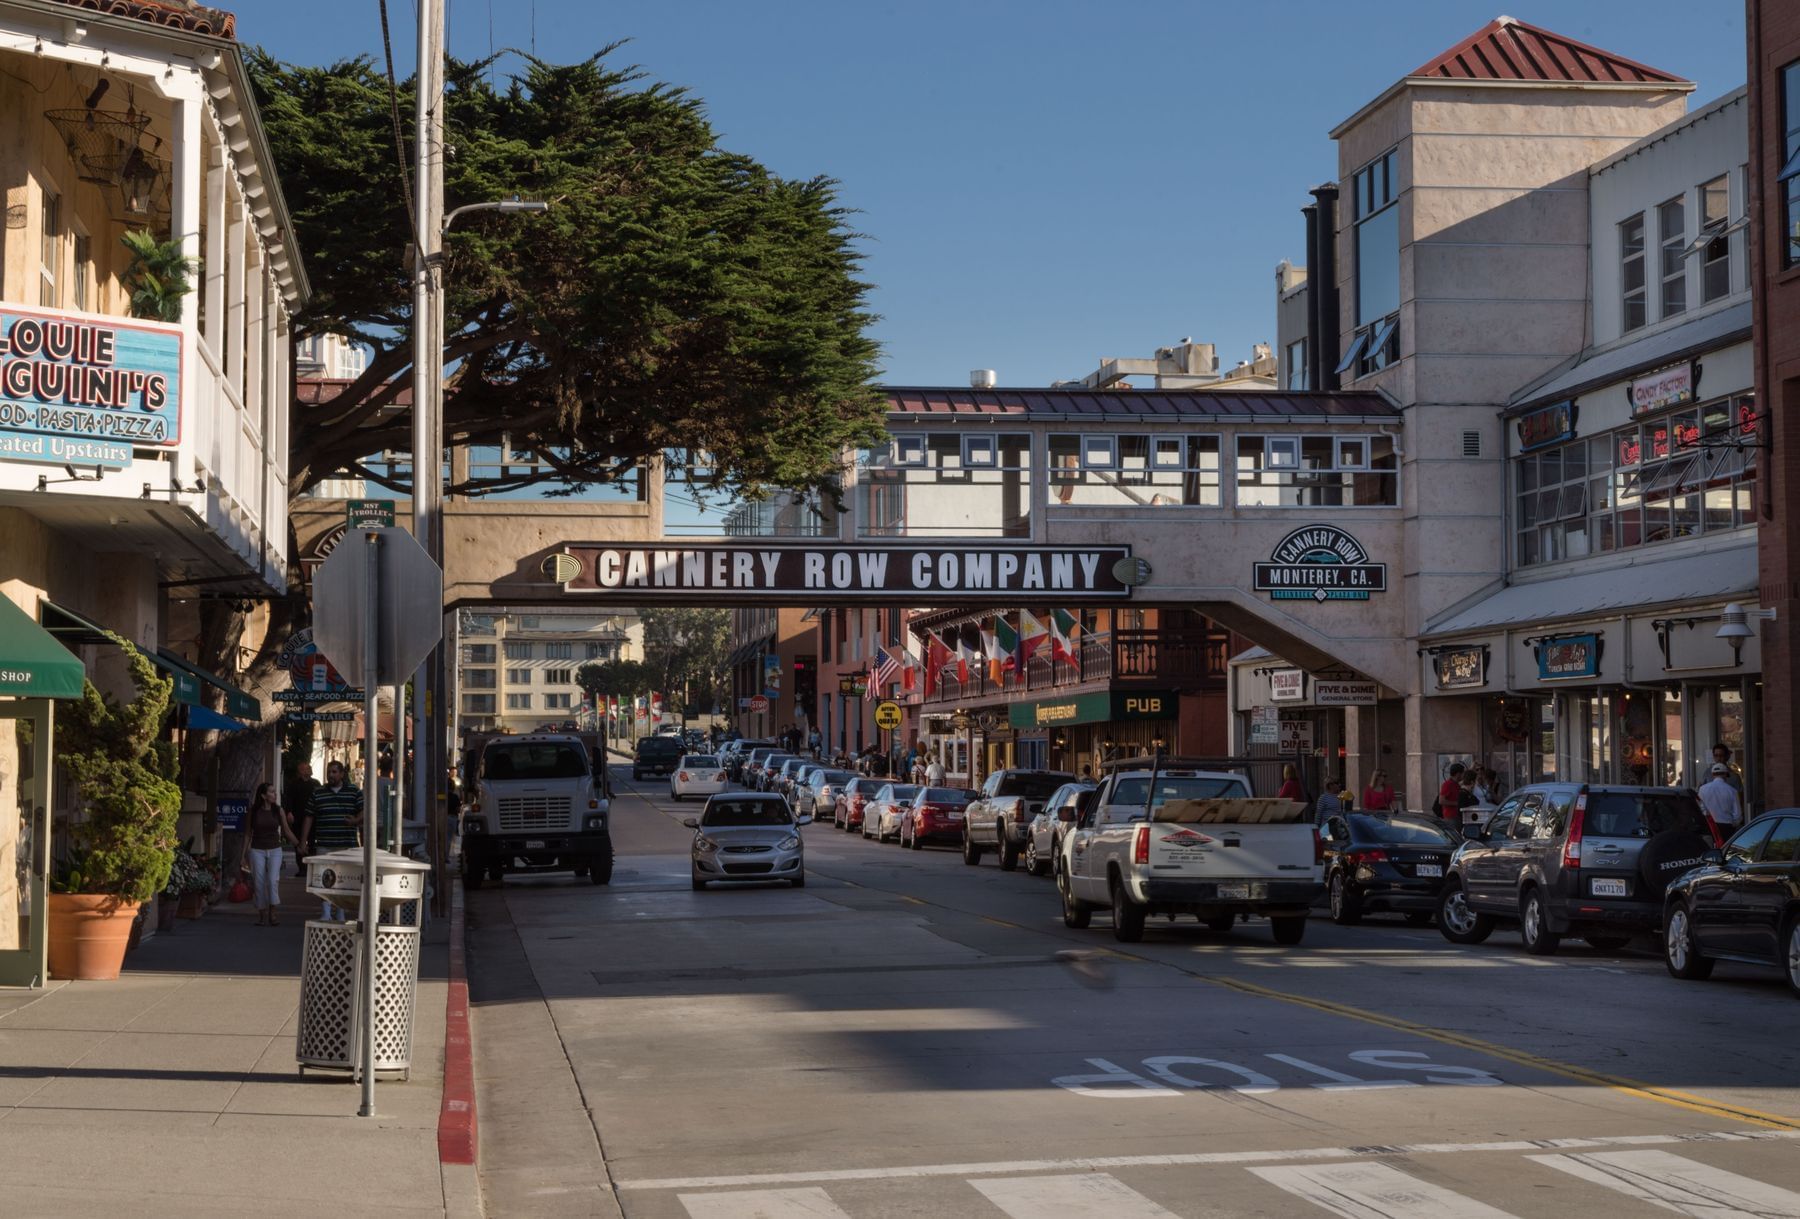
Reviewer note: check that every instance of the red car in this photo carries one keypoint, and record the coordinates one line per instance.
(852, 800)
(935, 815)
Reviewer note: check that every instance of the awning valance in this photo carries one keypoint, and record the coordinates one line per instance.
(32, 663)
(205, 719)
(237, 703)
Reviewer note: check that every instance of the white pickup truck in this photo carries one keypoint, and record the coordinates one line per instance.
(1178, 841)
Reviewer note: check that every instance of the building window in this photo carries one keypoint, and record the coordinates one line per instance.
(517, 651)
(50, 248)
(1790, 169)
(559, 651)
(1134, 470)
(1677, 475)
(1715, 255)
(518, 677)
(1671, 231)
(83, 274)
(478, 679)
(1295, 373)
(1377, 240)
(1631, 272)
(478, 704)
(946, 484)
(559, 677)
(1311, 471)
(518, 702)
(528, 622)
(479, 653)
(597, 651)
(558, 702)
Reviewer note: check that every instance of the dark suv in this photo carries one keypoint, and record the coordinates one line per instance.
(656, 755)
(1573, 859)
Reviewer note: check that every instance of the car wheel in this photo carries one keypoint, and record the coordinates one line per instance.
(1791, 953)
(1031, 856)
(1128, 916)
(1679, 952)
(971, 852)
(918, 844)
(600, 869)
(1346, 910)
(1607, 943)
(698, 883)
(1458, 921)
(1076, 913)
(799, 882)
(1534, 927)
(1289, 928)
(1009, 850)
(1220, 924)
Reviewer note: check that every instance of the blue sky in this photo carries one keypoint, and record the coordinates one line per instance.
(1043, 183)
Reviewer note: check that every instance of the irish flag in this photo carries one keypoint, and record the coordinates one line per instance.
(1064, 628)
(1032, 633)
(996, 655)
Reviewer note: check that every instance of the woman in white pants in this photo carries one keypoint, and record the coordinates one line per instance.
(267, 826)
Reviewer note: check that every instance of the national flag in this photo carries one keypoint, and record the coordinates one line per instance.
(968, 650)
(1032, 633)
(656, 706)
(1009, 641)
(887, 669)
(996, 656)
(951, 640)
(1065, 628)
(909, 670)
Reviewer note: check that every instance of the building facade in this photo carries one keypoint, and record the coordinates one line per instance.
(519, 670)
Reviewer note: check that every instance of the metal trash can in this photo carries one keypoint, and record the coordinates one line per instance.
(331, 982)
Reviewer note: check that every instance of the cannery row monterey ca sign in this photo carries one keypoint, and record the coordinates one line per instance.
(79, 391)
(1077, 572)
(1320, 563)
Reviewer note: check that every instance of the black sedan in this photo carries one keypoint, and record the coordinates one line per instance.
(1742, 904)
(1377, 864)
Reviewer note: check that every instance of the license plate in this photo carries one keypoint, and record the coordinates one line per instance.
(534, 844)
(1429, 869)
(1234, 893)
(1608, 888)
(954, 816)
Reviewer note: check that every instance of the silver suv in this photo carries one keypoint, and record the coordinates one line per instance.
(1592, 860)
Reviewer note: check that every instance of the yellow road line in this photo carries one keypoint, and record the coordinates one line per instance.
(1000, 922)
(912, 901)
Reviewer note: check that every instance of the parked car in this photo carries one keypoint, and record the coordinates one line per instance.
(1741, 904)
(935, 815)
(747, 836)
(1593, 860)
(656, 755)
(998, 820)
(881, 817)
(851, 800)
(770, 768)
(818, 795)
(1377, 863)
(697, 774)
(740, 751)
(782, 781)
(1044, 834)
(758, 762)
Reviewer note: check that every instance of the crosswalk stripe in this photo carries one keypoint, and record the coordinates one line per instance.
(1374, 1191)
(813, 1203)
(1094, 1195)
(1679, 1184)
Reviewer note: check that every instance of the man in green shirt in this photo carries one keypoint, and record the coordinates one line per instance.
(334, 813)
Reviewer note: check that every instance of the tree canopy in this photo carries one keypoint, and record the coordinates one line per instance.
(675, 296)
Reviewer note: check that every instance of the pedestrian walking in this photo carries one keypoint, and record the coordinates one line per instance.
(814, 742)
(335, 812)
(268, 827)
(294, 799)
(1722, 757)
(1290, 784)
(1719, 798)
(1331, 804)
(934, 773)
(1378, 796)
(1449, 798)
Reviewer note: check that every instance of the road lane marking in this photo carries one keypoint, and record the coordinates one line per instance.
(1185, 1159)
(763, 1204)
(1678, 1184)
(1088, 1196)
(1375, 1191)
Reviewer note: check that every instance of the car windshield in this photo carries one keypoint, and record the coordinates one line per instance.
(746, 812)
(947, 795)
(1642, 815)
(904, 791)
(1407, 831)
(699, 761)
(830, 778)
(1032, 787)
(542, 761)
(1171, 787)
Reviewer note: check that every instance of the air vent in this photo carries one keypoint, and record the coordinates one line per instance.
(1471, 444)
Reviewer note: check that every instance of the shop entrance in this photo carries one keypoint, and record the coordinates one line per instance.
(25, 753)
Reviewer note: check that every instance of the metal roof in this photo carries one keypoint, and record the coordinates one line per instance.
(1507, 49)
(1028, 404)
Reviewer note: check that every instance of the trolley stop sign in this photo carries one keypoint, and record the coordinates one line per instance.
(887, 715)
(408, 590)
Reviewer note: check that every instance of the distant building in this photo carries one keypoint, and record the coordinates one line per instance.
(516, 669)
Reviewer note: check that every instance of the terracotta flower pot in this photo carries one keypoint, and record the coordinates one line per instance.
(88, 932)
(193, 905)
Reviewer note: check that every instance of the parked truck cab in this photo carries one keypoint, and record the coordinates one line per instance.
(539, 804)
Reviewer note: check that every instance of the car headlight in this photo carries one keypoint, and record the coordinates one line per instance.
(705, 843)
(790, 842)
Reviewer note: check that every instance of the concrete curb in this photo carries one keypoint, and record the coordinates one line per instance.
(457, 1137)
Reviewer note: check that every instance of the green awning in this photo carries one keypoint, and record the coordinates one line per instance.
(237, 703)
(32, 663)
(74, 631)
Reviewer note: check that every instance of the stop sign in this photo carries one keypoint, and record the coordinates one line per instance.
(759, 703)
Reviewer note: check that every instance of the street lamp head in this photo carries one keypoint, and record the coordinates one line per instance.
(522, 205)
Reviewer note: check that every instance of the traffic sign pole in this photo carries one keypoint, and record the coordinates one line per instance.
(371, 691)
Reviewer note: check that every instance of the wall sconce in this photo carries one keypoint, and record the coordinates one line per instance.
(1734, 627)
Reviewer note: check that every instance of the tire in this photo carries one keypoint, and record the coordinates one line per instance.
(799, 882)
(699, 884)
(1679, 954)
(1534, 932)
(1128, 916)
(1607, 943)
(1457, 922)
(1346, 909)
(1076, 913)
(600, 869)
(1791, 948)
(971, 852)
(1009, 850)
(1221, 924)
(1288, 928)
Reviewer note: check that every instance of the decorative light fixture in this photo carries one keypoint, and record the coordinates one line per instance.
(1734, 627)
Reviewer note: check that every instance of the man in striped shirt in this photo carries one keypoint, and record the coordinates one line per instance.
(334, 813)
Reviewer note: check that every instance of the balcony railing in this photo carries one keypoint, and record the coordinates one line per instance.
(1177, 659)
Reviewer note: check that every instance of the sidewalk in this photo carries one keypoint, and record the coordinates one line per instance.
(173, 1091)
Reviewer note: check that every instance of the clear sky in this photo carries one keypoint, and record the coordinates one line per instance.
(1043, 183)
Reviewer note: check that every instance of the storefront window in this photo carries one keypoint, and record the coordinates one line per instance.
(1673, 753)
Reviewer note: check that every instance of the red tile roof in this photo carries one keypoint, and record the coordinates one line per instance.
(174, 14)
(1505, 49)
(954, 403)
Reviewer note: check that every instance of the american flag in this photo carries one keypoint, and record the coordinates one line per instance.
(887, 671)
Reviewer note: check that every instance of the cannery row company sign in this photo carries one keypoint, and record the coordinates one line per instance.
(1320, 563)
(1082, 573)
(78, 391)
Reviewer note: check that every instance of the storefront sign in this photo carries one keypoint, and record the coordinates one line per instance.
(856, 685)
(1320, 563)
(1296, 736)
(887, 715)
(1287, 685)
(1457, 667)
(313, 677)
(1081, 573)
(1512, 723)
(1660, 390)
(232, 811)
(1551, 425)
(1568, 658)
(1099, 707)
(81, 391)
(1343, 693)
(1265, 725)
(319, 717)
(771, 677)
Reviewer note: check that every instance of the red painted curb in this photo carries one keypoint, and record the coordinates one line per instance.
(457, 1127)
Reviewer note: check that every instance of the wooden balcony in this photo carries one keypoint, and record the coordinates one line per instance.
(1179, 659)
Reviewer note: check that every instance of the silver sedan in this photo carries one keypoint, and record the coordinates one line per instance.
(747, 836)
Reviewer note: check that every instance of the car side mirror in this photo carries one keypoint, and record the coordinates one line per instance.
(1475, 833)
(693, 823)
(1065, 813)
(804, 819)
(1714, 856)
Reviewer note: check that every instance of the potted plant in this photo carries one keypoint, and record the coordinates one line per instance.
(157, 277)
(120, 854)
(190, 883)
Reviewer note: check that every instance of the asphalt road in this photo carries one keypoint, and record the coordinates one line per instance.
(911, 1036)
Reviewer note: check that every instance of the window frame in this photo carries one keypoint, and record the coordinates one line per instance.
(971, 458)
(1090, 445)
(1641, 257)
(1292, 444)
(1716, 253)
(1671, 247)
(1789, 176)
(911, 450)
(51, 233)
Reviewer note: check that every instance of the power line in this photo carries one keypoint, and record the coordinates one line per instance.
(387, 48)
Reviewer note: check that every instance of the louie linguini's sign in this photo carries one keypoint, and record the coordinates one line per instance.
(77, 391)
(854, 571)
(1320, 563)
